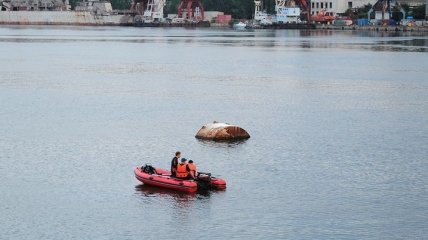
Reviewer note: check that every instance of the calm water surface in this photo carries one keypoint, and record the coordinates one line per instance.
(338, 124)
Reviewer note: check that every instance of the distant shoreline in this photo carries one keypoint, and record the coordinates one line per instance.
(371, 28)
(375, 28)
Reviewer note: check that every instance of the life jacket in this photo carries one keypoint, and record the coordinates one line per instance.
(192, 168)
(181, 171)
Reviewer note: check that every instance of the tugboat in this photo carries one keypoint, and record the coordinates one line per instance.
(159, 177)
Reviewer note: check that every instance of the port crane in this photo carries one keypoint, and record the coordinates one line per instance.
(152, 10)
(194, 9)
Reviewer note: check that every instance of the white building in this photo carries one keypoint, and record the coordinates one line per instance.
(288, 14)
(337, 6)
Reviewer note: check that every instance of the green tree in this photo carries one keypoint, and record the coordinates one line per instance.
(396, 13)
(418, 12)
(73, 3)
(121, 4)
(240, 9)
(405, 7)
(360, 12)
(171, 7)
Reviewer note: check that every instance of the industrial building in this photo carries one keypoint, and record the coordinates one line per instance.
(337, 6)
(341, 6)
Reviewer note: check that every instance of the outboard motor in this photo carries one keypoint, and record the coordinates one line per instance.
(204, 181)
(147, 168)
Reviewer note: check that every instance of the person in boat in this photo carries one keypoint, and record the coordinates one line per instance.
(182, 172)
(191, 169)
(174, 163)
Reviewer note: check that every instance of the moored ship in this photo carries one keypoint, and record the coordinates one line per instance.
(58, 12)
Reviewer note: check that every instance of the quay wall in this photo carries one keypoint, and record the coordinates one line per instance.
(375, 28)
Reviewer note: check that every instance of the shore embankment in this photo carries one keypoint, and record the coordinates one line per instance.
(399, 28)
(387, 28)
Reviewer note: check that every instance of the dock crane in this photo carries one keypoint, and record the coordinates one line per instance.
(193, 8)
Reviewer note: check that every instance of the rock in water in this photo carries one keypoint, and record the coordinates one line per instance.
(221, 131)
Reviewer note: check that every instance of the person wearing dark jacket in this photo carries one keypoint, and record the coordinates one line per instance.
(174, 163)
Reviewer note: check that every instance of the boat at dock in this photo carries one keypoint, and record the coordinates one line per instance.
(240, 26)
(323, 17)
(162, 178)
(54, 12)
(89, 13)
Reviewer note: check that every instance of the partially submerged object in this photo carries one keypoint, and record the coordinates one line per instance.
(221, 131)
(162, 178)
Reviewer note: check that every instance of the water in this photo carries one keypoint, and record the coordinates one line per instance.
(338, 124)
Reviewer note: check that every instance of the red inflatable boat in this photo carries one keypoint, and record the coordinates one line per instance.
(162, 178)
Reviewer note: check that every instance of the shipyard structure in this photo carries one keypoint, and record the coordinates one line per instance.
(288, 13)
(336, 12)
(100, 12)
(58, 12)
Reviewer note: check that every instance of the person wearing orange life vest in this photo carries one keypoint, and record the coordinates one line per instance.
(181, 171)
(191, 169)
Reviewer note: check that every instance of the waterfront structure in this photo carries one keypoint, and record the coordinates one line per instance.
(191, 10)
(337, 6)
(57, 12)
(288, 14)
(287, 11)
(412, 3)
(383, 8)
(147, 10)
(340, 6)
(34, 5)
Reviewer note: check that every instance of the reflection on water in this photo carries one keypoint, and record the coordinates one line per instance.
(180, 199)
(153, 195)
(222, 143)
(305, 39)
(153, 191)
